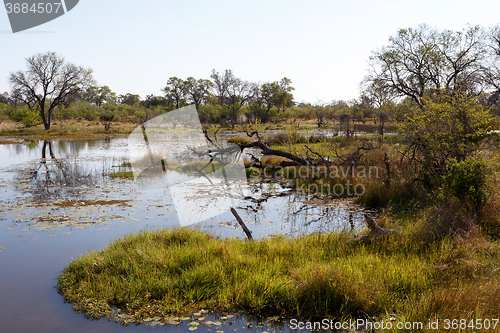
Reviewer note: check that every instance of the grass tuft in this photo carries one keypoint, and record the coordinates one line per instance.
(178, 271)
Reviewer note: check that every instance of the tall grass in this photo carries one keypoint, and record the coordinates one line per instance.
(412, 276)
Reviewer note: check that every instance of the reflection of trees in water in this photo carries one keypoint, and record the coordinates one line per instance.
(61, 148)
(292, 212)
(54, 178)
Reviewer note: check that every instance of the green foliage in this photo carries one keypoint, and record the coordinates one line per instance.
(175, 91)
(229, 114)
(467, 180)
(86, 111)
(99, 95)
(209, 113)
(254, 112)
(108, 117)
(129, 99)
(24, 115)
(143, 114)
(4, 110)
(447, 126)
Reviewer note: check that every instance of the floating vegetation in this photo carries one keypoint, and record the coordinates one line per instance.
(122, 174)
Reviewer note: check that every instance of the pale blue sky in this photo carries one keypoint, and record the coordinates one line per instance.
(322, 46)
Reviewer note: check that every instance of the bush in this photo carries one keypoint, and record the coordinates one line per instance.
(4, 110)
(26, 116)
(254, 112)
(446, 126)
(108, 117)
(467, 181)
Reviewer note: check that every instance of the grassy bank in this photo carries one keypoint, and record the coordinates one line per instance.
(64, 128)
(410, 276)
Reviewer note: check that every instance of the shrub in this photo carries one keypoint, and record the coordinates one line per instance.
(25, 115)
(467, 181)
(108, 117)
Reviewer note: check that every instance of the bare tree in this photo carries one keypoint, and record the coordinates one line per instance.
(232, 93)
(221, 84)
(48, 82)
(492, 66)
(423, 60)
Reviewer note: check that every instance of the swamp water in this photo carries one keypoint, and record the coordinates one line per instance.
(58, 201)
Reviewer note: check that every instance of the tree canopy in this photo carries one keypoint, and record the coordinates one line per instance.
(424, 59)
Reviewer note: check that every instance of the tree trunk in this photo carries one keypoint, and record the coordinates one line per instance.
(44, 119)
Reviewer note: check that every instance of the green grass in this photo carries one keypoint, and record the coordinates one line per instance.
(65, 128)
(122, 174)
(176, 272)
(240, 139)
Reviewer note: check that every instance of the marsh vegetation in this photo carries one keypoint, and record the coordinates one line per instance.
(418, 150)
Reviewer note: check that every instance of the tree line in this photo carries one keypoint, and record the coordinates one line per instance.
(417, 66)
(52, 88)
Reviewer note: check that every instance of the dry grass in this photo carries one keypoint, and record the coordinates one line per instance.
(65, 127)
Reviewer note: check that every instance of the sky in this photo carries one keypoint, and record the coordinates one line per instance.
(322, 46)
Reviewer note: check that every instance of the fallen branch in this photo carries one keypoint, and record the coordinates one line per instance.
(376, 231)
(243, 226)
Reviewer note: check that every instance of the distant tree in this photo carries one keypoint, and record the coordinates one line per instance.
(269, 94)
(175, 92)
(72, 98)
(491, 68)
(345, 124)
(129, 99)
(4, 98)
(47, 83)
(197, 91)
(99, 95)
(239, 92)
(284, 98)
(378, 96)
(376, 93)
(221, 84)
(231, 93)
(152, 101)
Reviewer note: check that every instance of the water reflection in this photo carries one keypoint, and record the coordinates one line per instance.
(58, 200)
(52, 178)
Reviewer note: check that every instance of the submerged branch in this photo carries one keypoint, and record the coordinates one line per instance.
(240, 221)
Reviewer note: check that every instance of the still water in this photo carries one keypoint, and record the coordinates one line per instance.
(58, 201)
